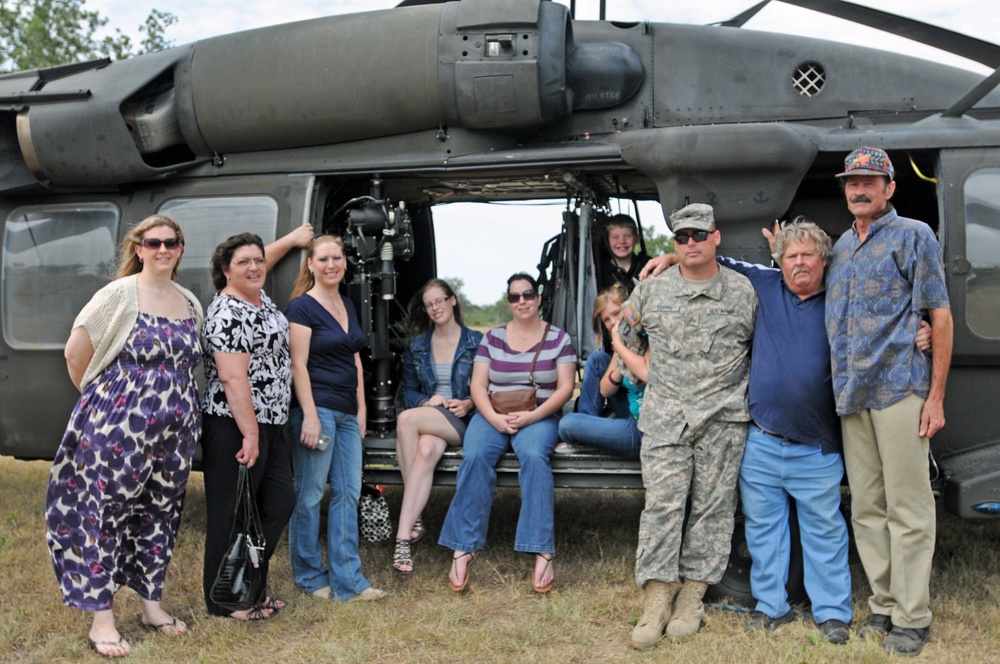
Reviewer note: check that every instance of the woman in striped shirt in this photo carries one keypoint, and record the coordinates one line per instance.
(503, 363)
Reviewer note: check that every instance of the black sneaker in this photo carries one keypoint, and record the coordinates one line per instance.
(762, 621)
(878, 625)
(835, 631)
(906, 641)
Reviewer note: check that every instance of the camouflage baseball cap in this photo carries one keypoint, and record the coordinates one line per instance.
(868, 161)
(696, 216)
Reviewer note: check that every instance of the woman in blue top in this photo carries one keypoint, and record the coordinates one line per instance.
(328, 422)
(437, 367)
(619, 378)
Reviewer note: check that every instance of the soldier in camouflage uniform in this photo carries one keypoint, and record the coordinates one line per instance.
(699, 319)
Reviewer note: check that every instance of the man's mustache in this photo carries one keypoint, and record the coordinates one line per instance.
(861, 199)
(797, 270)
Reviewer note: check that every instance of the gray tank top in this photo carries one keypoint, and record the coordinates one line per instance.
(442, 374)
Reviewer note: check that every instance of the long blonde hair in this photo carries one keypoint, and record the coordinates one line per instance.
(615, 293)
(306, 279)
(128, 260)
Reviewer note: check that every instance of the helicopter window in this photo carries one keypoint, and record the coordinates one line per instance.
(207, 221)
(55, 257)
(982, 249)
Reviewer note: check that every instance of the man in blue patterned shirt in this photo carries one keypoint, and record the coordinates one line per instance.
(886, 274)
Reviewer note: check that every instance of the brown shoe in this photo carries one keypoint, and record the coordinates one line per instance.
(655, 615)
(689, 610)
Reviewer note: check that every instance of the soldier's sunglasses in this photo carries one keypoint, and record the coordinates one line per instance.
(697, 236)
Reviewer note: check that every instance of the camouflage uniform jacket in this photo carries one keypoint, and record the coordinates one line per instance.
(700, 357)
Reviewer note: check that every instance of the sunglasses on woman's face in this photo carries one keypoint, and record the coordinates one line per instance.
(528, 296)
(155, 242)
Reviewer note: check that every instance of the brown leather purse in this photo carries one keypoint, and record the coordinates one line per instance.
(515, 401)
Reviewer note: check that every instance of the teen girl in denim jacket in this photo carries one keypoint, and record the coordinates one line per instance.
(437, 367)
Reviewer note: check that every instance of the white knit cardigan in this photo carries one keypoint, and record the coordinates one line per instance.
(109, 318)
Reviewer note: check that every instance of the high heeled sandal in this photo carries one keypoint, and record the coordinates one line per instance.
(468, 571)
(417, 531)
(401, 557)
(546, 588)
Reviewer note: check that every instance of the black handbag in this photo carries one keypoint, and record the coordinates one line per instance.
(240, 584)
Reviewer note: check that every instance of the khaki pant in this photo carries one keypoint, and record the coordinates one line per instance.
(893, 509)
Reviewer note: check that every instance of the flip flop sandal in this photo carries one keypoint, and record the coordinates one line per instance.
(546, 588)
(120, 643)
(468, 571)
(169, 627)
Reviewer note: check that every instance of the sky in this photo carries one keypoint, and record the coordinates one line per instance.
(509, 238)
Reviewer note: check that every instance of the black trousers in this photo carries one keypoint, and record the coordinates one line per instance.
(273, 486)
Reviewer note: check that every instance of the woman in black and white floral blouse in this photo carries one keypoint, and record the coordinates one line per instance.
(248, 371)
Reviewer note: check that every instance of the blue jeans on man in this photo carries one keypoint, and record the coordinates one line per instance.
(773, 471)
(340, 466)
(468, 517)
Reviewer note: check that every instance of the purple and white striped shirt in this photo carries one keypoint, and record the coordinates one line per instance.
(509, 368)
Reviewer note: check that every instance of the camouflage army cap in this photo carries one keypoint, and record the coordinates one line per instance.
(868, 161)
(697, 216)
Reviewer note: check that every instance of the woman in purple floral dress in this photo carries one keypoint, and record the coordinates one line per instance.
(117, 485)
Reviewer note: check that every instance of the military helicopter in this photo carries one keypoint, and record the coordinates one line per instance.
(325, 121)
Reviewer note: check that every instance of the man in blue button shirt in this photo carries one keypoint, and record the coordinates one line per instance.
(886, 275)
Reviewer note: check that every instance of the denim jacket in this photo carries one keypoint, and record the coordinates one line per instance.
(418, 381)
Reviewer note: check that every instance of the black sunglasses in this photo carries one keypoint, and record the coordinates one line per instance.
(697, 236)
(528, 296)
(155, 242)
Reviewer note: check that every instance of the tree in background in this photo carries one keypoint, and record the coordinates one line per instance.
(480, 316)
(656, 244)
(458, 285)
(43, 33)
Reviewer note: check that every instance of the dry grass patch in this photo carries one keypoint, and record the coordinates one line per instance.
(587, 618)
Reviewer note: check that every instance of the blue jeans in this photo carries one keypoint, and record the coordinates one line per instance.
(468, 516)
(619, 436)
(774, 470)
(590, 401)
(340, 465)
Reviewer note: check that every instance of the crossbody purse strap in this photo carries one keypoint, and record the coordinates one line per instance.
(531, 371)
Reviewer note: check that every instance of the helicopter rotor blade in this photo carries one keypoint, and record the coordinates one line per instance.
(739, 20)
(956, 43)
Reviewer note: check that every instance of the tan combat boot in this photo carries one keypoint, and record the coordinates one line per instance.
(655, 614)
(689, 610)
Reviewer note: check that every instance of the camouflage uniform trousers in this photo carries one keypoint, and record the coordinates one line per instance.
(704, 463)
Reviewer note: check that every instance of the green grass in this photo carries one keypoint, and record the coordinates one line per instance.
(587, 618)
